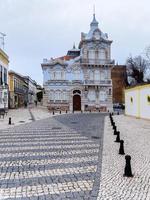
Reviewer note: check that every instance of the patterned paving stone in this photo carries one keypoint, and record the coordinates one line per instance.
(54, 158)
(136, 135)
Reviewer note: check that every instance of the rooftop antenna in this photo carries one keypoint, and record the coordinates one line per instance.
(2, 37)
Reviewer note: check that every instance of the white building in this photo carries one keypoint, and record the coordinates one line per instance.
(137, 101)
(81, 80)
(32, 90)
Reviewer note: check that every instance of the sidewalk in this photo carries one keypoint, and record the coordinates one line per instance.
(18, 116)
(136, 136)
(25, 115)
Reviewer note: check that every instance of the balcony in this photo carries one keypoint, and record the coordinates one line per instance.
(77, 82)
(19, 90)
(101, 82)
(58, 101)
(97, 61)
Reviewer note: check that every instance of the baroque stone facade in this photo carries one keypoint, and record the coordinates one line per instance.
(81, 80)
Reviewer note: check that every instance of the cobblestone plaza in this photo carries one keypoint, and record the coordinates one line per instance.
(73, 156)
(54, 158)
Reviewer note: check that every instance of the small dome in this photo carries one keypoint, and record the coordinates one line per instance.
(94, 22)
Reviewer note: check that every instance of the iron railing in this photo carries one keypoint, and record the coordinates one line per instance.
(95, 82)
(97, 61)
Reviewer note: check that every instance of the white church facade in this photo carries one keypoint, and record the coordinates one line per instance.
(81, 80)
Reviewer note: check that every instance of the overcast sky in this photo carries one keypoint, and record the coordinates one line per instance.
(38, 29)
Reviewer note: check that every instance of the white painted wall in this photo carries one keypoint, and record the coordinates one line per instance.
(139, 106)
(144, 104)
(131, 102)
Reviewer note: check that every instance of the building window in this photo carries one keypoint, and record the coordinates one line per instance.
(102, 75)
(58, 75)
(91, 74)
(1, 74)
(109, 91)
(51, 96)
(91, 95)
(1, 99)
(57, 96)
(91, 54)
(5, 75)
(97, 75)
(102, 96)
(64, 96)
(102, 54)
(77, 75)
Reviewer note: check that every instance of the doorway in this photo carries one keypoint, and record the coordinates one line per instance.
(76, 102)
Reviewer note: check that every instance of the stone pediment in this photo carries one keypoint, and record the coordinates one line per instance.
(59, 61)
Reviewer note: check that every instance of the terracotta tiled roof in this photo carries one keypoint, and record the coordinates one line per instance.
(66, 57)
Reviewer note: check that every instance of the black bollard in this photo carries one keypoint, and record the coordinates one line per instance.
(115, 130)
(9, 121)
(111, 119)
(66, 111)
(114, 127)
(118, 137)
(112, 113)
(113, 123)
(53, 112)
(118, 113)
(127, 170)
(60, 112)
(121, 149)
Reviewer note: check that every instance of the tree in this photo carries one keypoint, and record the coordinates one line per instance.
(147, 54)
(136, 69)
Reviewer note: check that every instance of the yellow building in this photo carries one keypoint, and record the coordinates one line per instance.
(137, 101)
(4, 61)
(18, 90)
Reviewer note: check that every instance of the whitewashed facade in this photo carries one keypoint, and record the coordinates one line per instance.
(137, 101)
(81, 80)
